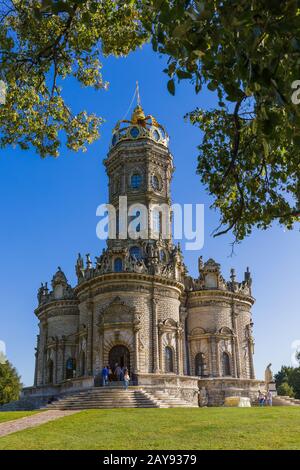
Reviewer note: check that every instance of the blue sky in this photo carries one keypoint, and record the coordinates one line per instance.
(48, 215)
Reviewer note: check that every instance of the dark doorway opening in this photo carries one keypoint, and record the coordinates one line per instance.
(119, 355)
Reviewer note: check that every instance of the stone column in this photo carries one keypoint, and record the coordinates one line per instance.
(218, 366)
(155, 358)
(236, 350)
(90, 337)
(250, 346)
(184, 345)
(160, 352)
(179, 350)
(234, 364)
(136, 330)
(213, 356)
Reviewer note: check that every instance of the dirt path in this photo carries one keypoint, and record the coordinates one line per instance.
(8, 427)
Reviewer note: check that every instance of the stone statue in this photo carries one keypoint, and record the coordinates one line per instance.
(40, 294)
(139, 266)
(79, 267)
(268, 375)
(89, 263)
(200, 264)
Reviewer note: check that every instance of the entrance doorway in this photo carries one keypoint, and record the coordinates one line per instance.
(119, 355)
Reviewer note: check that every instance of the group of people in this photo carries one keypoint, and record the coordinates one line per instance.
(118, 373)
(265, 398)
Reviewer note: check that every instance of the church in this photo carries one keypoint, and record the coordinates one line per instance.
(136, 305)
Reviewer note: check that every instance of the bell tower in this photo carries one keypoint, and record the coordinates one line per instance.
(139, 166)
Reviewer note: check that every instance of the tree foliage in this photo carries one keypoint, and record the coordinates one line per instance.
(248, 52)
(10, 384)
(44, 42)
(288, 381)
(286, 390)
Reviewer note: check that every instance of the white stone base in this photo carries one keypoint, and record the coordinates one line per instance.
(240, 402)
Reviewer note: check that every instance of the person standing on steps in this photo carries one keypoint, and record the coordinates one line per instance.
(109, 373)
(269, 398)
(126, 379)
(118, 372)
(104, 374)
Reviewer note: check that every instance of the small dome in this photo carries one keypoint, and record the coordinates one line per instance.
(139, 127)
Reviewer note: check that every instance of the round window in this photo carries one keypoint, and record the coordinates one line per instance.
(156, 135)
(155, 183)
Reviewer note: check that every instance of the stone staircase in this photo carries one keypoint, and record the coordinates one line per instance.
(169, 401)
(116, 397)
(281, 400)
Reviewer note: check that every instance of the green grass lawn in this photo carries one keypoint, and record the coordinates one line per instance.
(209, 428)
(10, 415)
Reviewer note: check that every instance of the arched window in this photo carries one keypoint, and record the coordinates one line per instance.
(70, 368)
(169, 363)
(118, 265)
(162, 255)
(156, 221)
(135, 181)
(135, 252)
(50, 372)
(199, 365)
(226, 364)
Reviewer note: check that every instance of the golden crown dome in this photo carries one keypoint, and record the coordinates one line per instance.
(139, 126)
(138, 115)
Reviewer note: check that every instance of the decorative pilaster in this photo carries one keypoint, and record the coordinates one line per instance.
(136, 329)
(56, 361)
(251, 352)
(160, 351)
(179, 349)
(184, 344)
(234, 363)
(155, 352)
(213, 356)
(218, 365)
(236, 351)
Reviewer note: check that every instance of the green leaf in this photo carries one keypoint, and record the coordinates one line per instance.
(171, 86)
(182, 74)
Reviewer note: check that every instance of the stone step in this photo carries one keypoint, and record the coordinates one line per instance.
(99, 406)
(116, 397)
(119, 402)
(105, 397)
(169, 401)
